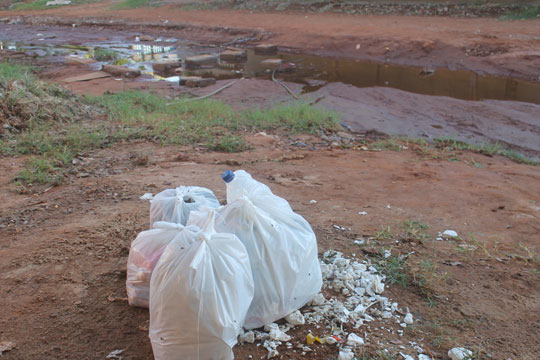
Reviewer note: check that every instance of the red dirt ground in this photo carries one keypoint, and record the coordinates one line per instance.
(63, 250)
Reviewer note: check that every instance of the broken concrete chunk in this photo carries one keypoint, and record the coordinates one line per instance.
(295, 318)
(248, 337)
(166, 67)
(120, 71)
(200, 60)
(78, 60)
(459, 354)
(233, 55)
(408, 319)
(318, 299)
(346, 354)
(201, 82)
(354, 340)
(266, 49)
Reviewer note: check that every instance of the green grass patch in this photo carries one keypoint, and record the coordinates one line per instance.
(130, 4)
(101, 54)
(42, 5)
(54, 126)
(528, 12)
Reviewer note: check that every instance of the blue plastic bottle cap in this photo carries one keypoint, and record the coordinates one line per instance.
(227, 176)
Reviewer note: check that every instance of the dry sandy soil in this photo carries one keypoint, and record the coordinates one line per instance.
(63, 250)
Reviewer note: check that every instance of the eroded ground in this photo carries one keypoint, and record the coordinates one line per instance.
(63, 248)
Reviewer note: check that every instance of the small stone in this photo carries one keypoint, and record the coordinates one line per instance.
(459, 353)
(318, 299)
(354, 340)
(408, 319)
(248, 337)
(346, 354)
(449, 234)
(295, 318)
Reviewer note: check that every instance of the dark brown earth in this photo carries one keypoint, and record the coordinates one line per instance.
(63, 250)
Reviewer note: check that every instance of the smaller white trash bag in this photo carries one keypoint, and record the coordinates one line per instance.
(144, 254)
(174, 205)
(200, 293)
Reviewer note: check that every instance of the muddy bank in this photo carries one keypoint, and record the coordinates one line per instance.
(506, 48)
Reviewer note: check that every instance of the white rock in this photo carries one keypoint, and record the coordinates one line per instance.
(318, 299)
(449, 234)
(459, 353)
(276, 334)
(406, 357)
(408, 319)
(295, 318)
(147, 196)
(354, 340)
(346, 354)
(248, 337)
(377, 285)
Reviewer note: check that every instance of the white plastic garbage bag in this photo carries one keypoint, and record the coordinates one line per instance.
(200, 293)
(281, 245)
(174, 205)
(144, 254)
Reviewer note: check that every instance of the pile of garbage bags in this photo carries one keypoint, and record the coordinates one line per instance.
(206, 271)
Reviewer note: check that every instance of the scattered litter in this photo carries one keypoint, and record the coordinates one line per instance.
(313, 202)
(147, 196)
(387, 254)
(144, 326)
(295, 318)
(6, 346)
(388, 206)
(115, 354)
(339, 227)
(459, 354)
(362, 213)
(275, 333)
(423, 357)
(359, 242)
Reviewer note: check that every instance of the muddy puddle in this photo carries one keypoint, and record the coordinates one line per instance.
(312, 72)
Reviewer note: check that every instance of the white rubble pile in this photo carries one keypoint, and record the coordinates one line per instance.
(361, 287)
